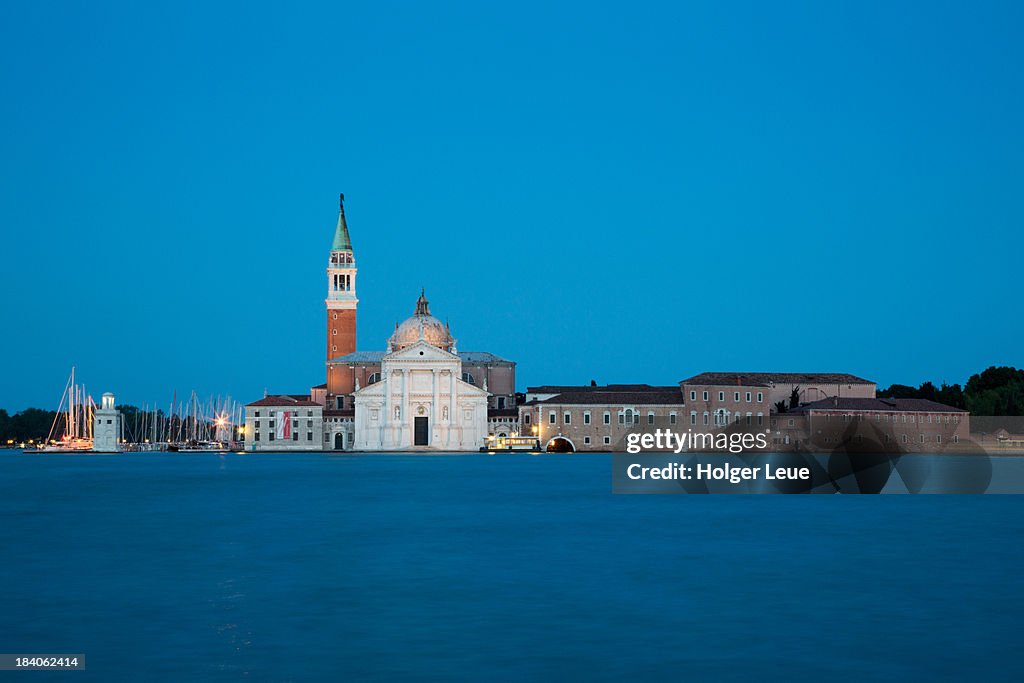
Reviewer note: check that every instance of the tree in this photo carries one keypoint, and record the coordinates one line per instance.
(794, 398)
(899, 391)
(780, 406)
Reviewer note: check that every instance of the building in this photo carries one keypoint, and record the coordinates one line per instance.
(341, 290)
(595, 418)
(871, 424)
(420, 398)
(108, 426)
(284, 422)
(779, 386)
(421, 392)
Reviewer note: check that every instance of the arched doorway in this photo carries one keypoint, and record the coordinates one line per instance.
(339, 441)
(560, 444)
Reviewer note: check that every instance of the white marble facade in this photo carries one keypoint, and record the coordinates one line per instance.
(420, 401)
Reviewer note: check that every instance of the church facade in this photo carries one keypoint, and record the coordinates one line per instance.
(420, 399)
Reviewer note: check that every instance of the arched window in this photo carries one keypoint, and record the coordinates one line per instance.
(468, 378)
(375, 377)
(629, 416)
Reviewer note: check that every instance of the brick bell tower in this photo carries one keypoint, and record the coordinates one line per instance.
(341, 291)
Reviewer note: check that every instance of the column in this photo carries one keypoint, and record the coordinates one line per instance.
(434, 386)
(404, 408)
(451, 406)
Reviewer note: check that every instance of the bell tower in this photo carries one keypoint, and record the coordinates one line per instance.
(341, 291)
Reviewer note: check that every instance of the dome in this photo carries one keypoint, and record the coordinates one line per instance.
(423, 326)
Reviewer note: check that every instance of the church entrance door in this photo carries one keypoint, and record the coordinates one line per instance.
(420, 434)
(339, 442)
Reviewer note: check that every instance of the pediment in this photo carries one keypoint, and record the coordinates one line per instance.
(421, 351)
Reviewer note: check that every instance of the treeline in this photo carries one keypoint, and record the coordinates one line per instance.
(31, 423)
(996, 391)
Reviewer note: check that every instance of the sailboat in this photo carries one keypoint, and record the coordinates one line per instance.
(71, 431)
(198, 433)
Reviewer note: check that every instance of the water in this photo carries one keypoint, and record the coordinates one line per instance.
(276, 567)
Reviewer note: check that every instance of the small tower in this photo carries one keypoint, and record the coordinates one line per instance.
(341, 291)
(106, 430)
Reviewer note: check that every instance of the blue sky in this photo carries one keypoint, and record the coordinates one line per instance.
(620, 192)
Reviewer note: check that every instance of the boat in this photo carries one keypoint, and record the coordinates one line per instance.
(198, 447)
(525, 444)
(75, 417)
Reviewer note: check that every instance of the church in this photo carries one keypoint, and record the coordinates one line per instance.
(419, 394)
(420, 399)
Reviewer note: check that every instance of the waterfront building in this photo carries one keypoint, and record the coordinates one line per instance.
(108, 426)
(420, 398)
(284, 422)
(871, 424)
(597, 418)
(421, 392)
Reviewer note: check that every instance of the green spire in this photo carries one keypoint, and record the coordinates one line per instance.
(341, 239)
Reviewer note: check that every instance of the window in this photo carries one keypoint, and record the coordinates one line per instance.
(375, 377)
(622, 419)
(904, 438)
(650, 418)
(334, 331)
(629, 416)
(501, 403)
(693, 417)
(671, 418)
(736, 396)
(270, 437)
(693, 395)
(705, 417)
(257, 414)
(339, 402)
(567, 417)
(760, 419)
(721, 395)
(256, 436)
(526, 418)
(748, 397)
(468, 378)
(607, 440)
(956, 438)
(295, 436)
(938, 438)
(705, 395)
(607, 418)
(748, 417)
(586, 417)
(551, 417)
(760, 397)
(586, 441)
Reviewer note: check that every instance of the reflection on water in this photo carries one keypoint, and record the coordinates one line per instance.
(474, 567)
